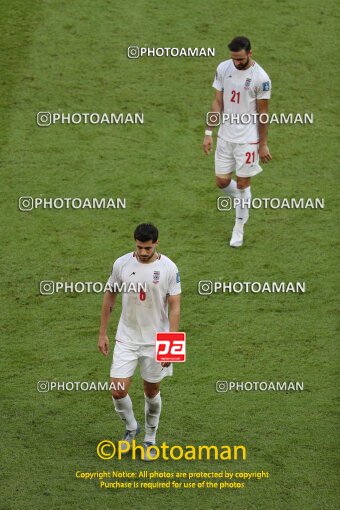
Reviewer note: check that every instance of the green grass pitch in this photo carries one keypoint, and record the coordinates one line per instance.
(71, 57)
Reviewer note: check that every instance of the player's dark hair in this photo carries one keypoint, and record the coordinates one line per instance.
(240, 43)
(146, 232)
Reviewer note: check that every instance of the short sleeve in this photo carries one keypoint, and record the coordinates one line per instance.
(218, 82)
(263, 87)
(174, 282)
(114, 279)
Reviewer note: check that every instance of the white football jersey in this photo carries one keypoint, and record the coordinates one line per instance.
(241, 89)
(144, 313)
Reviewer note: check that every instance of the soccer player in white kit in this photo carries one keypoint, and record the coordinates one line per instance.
(143, 314)
(242, 91)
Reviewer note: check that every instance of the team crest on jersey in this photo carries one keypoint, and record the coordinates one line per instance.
(156, 275)
(247, 83)
(265, 86)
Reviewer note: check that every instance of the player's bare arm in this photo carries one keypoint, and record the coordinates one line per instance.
(264, 153)
(107, 306)
(216, 107)
(174, 303)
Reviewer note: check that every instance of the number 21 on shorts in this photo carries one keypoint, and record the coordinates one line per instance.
(250, 158)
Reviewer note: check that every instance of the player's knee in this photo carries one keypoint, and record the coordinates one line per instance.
(151, 394)
(243, 182)
(151, 389)
(223, 182)
(118, 394)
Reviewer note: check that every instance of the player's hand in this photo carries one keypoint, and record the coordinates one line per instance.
(264, 154)
(103, 344)
(207, 144)
(165, 364)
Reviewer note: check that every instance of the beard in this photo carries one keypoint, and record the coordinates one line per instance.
(146, 258)
(242, 66)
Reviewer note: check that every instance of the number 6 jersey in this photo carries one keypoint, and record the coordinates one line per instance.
(144, 312)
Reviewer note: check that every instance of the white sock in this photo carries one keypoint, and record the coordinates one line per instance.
(242, 209)
(153, 407)
(123, 407)
(231, 189)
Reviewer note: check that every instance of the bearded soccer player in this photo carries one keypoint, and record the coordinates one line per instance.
(143, 314)
(242, 95)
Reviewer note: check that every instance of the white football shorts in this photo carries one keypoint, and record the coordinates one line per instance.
(242, 157)
(127, 357)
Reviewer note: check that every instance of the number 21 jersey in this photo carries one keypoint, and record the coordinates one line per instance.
(241, 89)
